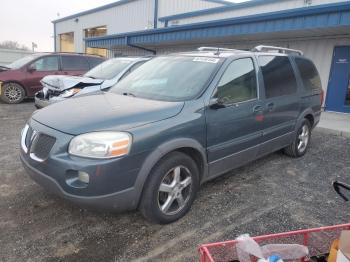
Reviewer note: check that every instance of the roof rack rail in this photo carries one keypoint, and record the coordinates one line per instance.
(217, 49)
(266, 48)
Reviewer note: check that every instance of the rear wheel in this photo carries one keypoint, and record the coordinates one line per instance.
(12, 93)
(170, 189)
(302, 141)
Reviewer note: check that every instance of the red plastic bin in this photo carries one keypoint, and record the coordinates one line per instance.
(318, 240)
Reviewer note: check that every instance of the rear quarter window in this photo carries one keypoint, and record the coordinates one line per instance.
(78, 63)
(95, 61)
(309, 74)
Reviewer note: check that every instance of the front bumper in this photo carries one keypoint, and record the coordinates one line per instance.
(41, 102)
(112, 181)
(119, 201)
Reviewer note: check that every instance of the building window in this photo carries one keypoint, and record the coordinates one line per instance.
(278, 74)
(95, 32)
(67, 42)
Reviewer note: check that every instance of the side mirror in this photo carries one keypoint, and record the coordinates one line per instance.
(31, 68)
(216, 103)
(342, 190)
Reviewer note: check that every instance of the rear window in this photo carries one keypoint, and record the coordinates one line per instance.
(309, 74)
(94, 61)
(78, 63)
(278, 74)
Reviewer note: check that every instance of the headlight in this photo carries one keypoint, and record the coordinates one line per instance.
(101, 145)
(70, 92)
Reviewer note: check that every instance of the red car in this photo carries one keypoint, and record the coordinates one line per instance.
(22, 78)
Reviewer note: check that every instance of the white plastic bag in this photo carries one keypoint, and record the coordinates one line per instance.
(247, 247)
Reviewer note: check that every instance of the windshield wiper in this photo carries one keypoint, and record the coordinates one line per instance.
(91, 77)
(129, 94)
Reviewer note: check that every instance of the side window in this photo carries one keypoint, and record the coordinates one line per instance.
(278, 74)
(238, 83)
(309, 74)
(74, 63)
(48, 63)
(94, 61)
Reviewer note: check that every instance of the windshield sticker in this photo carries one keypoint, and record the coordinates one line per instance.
(206, 60)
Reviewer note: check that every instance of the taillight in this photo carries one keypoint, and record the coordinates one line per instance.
(322, 97)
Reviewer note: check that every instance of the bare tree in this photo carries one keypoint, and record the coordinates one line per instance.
(13, 45)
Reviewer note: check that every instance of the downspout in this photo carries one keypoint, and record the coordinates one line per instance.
(54, 38)
(155, 22)
(139, 47)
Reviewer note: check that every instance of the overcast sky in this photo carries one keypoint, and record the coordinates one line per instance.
(27, 21)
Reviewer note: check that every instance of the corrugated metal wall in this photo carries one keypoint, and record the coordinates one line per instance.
(134, 16)
(318, 50)
(259, 9)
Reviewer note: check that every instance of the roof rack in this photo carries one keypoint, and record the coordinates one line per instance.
(217, 49)
(266, 48)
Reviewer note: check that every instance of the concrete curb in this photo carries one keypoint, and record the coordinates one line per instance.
(329, 131)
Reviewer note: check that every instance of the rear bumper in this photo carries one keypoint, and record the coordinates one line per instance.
(118, 201)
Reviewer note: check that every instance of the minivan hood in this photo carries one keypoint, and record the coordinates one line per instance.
(63, 82)
(105, 111)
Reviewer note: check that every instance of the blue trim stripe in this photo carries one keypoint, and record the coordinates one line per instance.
(94, 10)
(315, 17)
(232, 6)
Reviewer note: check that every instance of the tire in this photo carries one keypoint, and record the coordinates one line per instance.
(302, 141)
(170, 189)
(12, 93)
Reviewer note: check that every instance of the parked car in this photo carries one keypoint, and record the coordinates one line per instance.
(60, 87)
(22, 78)
(172, 124)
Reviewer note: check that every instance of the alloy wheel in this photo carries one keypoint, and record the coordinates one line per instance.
(175, 190)
(303, 138)
(13, 92)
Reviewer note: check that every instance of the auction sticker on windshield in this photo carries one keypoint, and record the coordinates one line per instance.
(206, 60)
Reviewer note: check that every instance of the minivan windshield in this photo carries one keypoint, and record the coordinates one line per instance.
(169, 78)
(22, 61)
(109, 69)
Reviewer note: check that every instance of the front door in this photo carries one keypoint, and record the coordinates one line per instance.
(48, 65)
(234, 127)
(338, 94)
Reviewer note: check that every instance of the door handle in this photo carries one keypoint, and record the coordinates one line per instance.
(270, 106)
(257, 109)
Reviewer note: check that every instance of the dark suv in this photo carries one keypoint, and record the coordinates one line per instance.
(22, 78)
(172, 124)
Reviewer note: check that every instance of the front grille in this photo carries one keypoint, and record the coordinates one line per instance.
(42, 145)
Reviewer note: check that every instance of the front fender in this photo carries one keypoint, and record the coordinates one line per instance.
(160, 152)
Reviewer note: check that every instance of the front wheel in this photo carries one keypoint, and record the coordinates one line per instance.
(12, 93)
(170, 189)
(302, 141)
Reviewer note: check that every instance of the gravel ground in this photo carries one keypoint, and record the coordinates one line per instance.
(273, 194)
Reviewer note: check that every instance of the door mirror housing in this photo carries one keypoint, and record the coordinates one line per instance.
(216, 103)
(31, 68)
